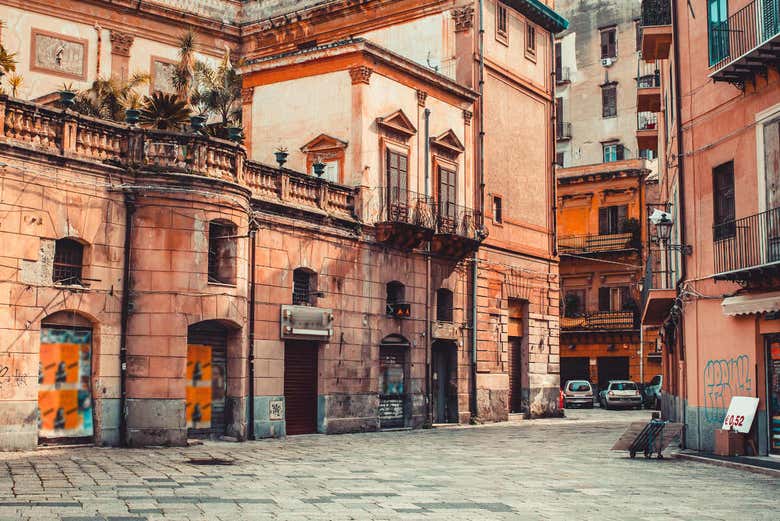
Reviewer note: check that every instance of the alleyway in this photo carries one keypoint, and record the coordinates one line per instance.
(551, 469)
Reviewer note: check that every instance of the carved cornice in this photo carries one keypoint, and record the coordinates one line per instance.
(121, 43)
(464, 18)
(360, 74)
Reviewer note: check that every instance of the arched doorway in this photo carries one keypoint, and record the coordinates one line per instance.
(207, 377)
(393, 390)
(444, 382)
(65, 401)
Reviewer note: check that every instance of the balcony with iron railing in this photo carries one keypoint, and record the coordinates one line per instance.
(747, 43)
(600, 321)
(648, 86)
(458, 230)
(647, 131)
(563, 130)
(406, 219)
(748, 249)
(656, 26)
(597, 243)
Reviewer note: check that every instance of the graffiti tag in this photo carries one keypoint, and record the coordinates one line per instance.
(724, 379)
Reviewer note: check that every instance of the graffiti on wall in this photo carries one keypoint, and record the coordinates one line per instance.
(724, 379)
(64, 391)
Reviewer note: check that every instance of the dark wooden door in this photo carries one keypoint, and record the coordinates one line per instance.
(575, 368)
(300, 387)
(443, 385)
(612, 368)
(516, 374)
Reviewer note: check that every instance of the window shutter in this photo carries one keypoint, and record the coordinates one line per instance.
(772, 163)
(603, 221)
(604, 299)
(622, 214)
(620, 152)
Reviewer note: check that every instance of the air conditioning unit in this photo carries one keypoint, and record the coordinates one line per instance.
(607, 62)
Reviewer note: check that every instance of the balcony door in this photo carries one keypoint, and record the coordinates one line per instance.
(397, 179)
(772, 184)
(447, 193)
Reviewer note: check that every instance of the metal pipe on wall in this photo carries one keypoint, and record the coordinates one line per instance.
(129, 201)
(251, 327)
(426, 145)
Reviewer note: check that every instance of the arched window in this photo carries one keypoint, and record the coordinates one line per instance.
(396, 293)
(443, 305)
(68, 262)
(222, 252)
(304, 287)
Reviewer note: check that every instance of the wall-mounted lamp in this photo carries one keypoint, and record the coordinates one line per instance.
(663, 231)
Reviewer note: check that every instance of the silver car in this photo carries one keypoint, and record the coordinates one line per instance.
(621, 393)
(577, 393)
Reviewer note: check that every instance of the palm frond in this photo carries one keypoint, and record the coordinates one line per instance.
(164, 111)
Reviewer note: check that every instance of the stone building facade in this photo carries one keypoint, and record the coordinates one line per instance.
(169, 285)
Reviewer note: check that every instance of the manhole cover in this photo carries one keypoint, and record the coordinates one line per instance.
(210, 461)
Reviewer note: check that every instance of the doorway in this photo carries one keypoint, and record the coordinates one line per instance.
(773, 393)
(516, 374)
(300, 386)
(575, 368)
(65, 400)
(444, 383)
(206, 389)
(612, 368)
(392, 382)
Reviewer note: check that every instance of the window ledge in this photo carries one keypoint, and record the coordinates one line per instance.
(222, 284)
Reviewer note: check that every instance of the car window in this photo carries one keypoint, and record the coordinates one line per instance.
(579, 387)
(623, 386)
(656, 380)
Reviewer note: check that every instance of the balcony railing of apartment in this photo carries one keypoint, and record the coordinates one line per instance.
(656, 29)
(600, 321)
(656, 12)
(455, 219)
(407, 207)
(563, 130)
(562, 75)
(646, 121)
(746, 43)
(748, 247)
(648, 75)
(582, 244)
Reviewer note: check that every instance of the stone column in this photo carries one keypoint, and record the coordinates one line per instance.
(247, 95)
(361, 76)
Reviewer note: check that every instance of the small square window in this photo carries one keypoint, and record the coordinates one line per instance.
(498, 210)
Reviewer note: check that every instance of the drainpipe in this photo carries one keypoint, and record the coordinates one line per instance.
(681, 180)
(428, 376)
(480, 205)
(554, 182)
(251, 328)
(125, 314)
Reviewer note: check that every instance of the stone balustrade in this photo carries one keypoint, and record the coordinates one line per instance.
(72, 135)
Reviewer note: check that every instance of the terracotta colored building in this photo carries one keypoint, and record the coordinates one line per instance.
(602, 223)
(715, 300)
(394, 271)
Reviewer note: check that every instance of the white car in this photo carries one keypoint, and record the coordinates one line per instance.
(621, 393)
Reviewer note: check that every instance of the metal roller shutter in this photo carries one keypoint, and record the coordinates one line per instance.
(300, 387)
(215, 336)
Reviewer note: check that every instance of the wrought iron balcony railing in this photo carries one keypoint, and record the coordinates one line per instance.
(648, 75)
(749, 244)
(601, 321)
(656, 12)
(455, 219)
(407, 207)
(563, 130)
(574, 244)
(646, 121)
(744, 32)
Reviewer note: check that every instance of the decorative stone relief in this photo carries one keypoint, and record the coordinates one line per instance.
(421, 97)
(162, 75)
(467, 115)
(247, 94)
(59, 54)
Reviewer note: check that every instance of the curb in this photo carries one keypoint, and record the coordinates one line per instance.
(730, 464)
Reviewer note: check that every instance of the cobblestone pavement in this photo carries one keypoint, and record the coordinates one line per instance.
(544, 469)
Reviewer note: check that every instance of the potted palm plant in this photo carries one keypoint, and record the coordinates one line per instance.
(319, 168)
(164, 111)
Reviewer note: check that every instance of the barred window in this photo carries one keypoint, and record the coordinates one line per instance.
(68, 262)
(396, 293)
(444, 305)
(501, 19)
(304, 287)
(222, 252)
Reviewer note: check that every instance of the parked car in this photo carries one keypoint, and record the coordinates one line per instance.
(577, 393)
(621, 393)
(652, 392)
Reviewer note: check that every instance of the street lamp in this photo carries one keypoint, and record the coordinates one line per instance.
(663, 227)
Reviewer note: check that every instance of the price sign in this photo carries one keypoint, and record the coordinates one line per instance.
(740, 415)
